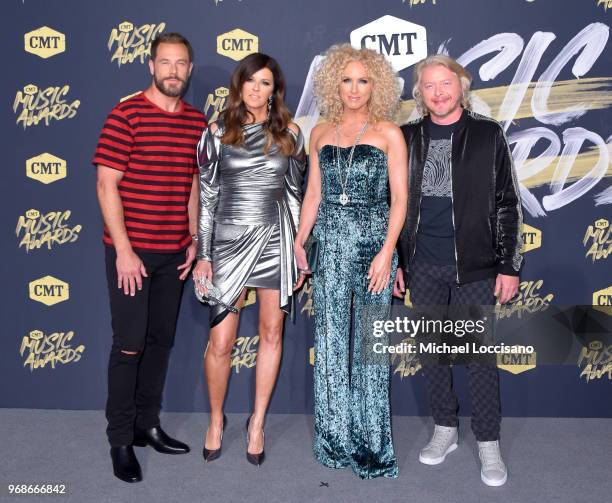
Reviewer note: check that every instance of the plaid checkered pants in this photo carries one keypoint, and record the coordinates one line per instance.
(435, 285)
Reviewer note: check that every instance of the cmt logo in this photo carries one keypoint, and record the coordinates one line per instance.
(217, 102)
(516, 363)
(44, 42)
(402, 42)
(237, 44)
(32, 214)
(30, 89)
(49, 290)
(532, 238)
(46, 168)
(603, 297)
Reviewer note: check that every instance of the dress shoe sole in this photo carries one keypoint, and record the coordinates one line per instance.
(437, 461)
(129, 480)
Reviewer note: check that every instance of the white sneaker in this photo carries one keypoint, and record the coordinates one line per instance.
(493, 471)
(443, 441)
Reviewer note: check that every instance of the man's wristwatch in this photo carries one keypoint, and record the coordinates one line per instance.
(194, 237)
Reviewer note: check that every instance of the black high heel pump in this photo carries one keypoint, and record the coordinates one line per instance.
(212, 454)
(254, 459)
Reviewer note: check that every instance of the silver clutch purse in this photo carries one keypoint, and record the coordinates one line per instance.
(212, 295)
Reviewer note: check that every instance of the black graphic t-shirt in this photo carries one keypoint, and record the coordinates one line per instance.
(435, 239)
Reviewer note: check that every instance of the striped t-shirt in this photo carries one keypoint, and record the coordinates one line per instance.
(156, 150)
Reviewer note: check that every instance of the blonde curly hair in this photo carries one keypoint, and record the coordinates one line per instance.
(386, 90)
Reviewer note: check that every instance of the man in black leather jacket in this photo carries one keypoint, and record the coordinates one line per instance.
(461, 243)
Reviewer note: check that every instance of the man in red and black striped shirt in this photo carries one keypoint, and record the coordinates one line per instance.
(148, 192)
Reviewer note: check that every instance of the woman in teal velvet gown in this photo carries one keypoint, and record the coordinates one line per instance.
(356, 201)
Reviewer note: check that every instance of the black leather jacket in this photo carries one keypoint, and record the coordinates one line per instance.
(486, 202)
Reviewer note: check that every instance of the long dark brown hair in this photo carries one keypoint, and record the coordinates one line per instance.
(236, 113)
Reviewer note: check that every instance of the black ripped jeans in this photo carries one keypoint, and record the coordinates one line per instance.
(144, 324)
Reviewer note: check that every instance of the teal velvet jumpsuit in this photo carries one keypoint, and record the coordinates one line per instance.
(352, 411)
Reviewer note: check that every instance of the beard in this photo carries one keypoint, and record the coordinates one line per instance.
(451, 108)
(171, 92)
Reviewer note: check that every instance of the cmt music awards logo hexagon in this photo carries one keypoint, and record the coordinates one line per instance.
(602, 223)
(49, 290)
(403, 43)
(516, 363)
(32, 214)
(602, 300)
(30, 89)
(46, 168)
(532, 238)
(237, 44)
(44, 42)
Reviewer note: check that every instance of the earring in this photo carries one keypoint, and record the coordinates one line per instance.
(270, 99)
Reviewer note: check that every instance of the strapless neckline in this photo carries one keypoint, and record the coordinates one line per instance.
(358, 145)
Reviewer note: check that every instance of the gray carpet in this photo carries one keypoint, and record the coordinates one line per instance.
(560, 460)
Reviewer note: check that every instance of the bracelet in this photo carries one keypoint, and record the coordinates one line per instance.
(194, 237)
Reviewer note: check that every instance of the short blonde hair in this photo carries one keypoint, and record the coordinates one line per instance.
(385, 89)
(443, 60)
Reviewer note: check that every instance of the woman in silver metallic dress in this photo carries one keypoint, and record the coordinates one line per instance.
(252, 165)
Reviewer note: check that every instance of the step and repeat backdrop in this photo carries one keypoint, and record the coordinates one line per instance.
(541, 67)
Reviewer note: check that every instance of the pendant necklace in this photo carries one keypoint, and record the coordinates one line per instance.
(344, 198)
